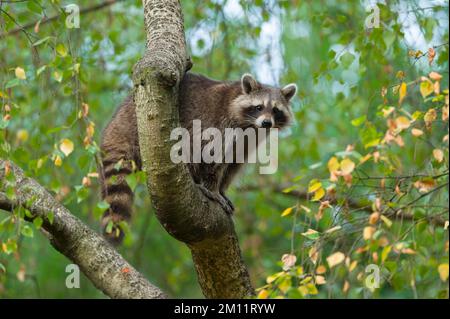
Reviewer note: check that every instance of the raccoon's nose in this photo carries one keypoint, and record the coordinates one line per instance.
(266, 123)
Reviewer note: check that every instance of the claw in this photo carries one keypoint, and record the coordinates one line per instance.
(224, 202)
(229, 202)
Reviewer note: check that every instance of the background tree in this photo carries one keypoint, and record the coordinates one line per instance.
(383, 146)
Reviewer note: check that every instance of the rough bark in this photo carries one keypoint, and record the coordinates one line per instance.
(101, 264)
(181, 207)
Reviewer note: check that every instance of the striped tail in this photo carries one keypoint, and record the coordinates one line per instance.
(116, 192)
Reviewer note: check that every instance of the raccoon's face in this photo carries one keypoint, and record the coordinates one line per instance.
(262, 106)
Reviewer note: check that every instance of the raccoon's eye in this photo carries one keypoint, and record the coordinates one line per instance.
(276, 110)
(259, 107)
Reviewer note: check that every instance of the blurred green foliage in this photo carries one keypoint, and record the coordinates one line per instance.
(347, 75)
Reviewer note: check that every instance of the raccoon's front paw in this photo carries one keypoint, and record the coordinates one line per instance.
(229, 202)
(224, 202)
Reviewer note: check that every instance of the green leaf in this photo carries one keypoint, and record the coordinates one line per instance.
(12, 83)
(40, 70)
(385, 252)
(3, 123)
(34, 7)
(358, 121)
(39, 42)
(26, 231)
(51, 217)
(347, 59)
(311, 234)
(289, 189)
(61, 50)
(132, 181)
(82, 193)
(37, 222)
(109, 227)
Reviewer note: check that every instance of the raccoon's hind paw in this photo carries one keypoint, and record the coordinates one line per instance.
(224, 202)
(112, 230)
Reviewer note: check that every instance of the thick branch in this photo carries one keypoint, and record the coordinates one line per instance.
(180, 206)
(104, 267)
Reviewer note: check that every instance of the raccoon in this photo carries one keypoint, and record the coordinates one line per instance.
(218, 104)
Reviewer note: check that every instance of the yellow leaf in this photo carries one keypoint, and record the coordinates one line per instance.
(443, 271)
(318, 194)
(431, 55)
(416, 132)
(287, 212)
(274, 277)
(446, 225)
(90, 129)
(353, 265)
(306, 209)
(313, 254)
(425, 185)
(386, 220)
(402, 122)
(66, 146)
(285, 285)
(373, 218)
(263, 294)
(312, 290)
(445, 112)
(388, 111)
(426, 88)
(402, 92)
(385, 253)
(400, 74)
(372, 143)
(346, 287)
(20, 73)
(57, 76)
(321, 270)
(365, 158)
(435, 76)
(22, 135)
(61, 50)
(438, 155)
(320, 280)
(333, 229)
(430, 117)
(347, 166)
(335, 259)
(288, 261)
(303, 290)
(408, 251)
(333, 164)
(58, 161)
(368, 232)
(314, 185)
(311, 234)
(40, 162)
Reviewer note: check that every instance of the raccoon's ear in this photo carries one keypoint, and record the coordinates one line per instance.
(289, 91)
(248, 83)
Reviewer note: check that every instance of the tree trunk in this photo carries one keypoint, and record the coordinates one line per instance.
(181, 207)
